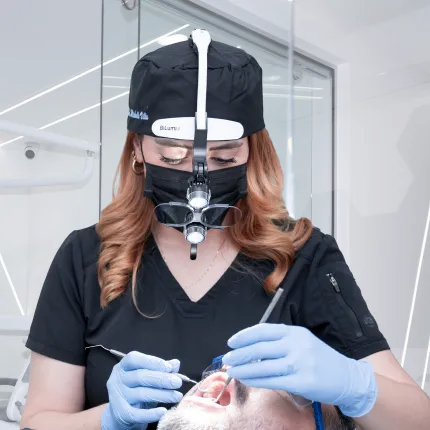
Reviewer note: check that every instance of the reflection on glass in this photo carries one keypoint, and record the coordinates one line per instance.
(217, 366)
(300, 401)
(174, 214)
(215, 216)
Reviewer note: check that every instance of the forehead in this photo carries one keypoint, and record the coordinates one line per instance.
(280, 402)
(279, 405)
(278, 396)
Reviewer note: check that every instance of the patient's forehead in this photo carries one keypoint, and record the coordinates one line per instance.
(280, 405)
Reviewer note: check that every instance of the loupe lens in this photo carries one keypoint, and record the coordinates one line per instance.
(215, 216)
(177, 215)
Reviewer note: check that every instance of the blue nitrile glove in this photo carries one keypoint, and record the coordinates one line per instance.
(296, 361)
(136, 385)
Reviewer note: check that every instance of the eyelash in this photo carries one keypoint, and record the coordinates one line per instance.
(170, 160)
(176, 161)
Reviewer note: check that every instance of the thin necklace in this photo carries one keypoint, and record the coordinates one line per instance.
(205, 272)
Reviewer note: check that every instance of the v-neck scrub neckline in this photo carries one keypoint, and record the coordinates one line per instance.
(175, 290)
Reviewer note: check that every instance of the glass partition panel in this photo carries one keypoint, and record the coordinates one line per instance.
(49, 120)
(120, 54)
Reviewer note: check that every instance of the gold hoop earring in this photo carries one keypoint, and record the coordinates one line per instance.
(135, 163)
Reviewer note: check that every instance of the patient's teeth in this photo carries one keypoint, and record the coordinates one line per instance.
(213, 390)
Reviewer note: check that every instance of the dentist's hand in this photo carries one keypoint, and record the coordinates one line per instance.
(296, 361)
(136, 385)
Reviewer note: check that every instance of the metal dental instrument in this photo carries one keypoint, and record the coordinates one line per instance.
(121, 355)
(264, 318)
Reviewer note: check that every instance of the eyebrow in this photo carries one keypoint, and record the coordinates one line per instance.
(173, 143)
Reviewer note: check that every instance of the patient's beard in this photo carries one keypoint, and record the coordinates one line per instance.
(187, 419)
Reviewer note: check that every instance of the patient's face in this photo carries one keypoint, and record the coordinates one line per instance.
(239, 407)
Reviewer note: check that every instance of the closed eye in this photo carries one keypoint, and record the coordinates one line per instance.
(217, 160)
(173, 161)
(223, 161)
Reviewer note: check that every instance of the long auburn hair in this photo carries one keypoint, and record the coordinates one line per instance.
(125, 223)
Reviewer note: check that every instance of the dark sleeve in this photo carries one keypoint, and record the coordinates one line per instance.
(333, 308)
(58, 327)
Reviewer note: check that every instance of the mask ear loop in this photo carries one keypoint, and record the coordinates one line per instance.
(140, 139)
(147, 192)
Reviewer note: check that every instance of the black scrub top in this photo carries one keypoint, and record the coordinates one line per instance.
(320, 294)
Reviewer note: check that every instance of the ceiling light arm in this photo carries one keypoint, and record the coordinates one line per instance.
(56, 139)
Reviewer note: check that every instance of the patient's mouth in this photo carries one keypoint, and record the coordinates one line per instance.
(200, 401)
(211, 390)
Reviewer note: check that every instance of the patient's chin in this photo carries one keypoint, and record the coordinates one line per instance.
(191, 419)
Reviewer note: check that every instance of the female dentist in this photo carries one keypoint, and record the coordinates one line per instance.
(198, 152)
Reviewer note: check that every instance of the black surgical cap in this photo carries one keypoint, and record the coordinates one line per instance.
(164, 85)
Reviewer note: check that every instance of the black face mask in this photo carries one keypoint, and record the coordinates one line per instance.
(165, 185)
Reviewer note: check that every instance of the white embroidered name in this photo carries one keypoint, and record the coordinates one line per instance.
(137, 115)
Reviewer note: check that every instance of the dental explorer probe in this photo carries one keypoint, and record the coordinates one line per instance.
(121, 355)
(264, 318)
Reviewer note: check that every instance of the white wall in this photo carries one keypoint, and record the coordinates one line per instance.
(391, 196)
(390, 182)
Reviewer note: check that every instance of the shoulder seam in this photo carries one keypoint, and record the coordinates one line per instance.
(85, 264)
(299, 255)
(306, 255)
(90, 263)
